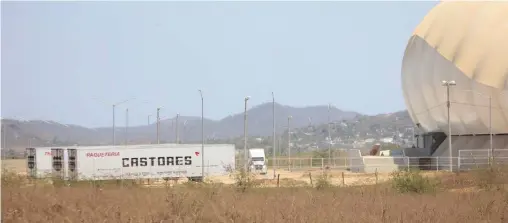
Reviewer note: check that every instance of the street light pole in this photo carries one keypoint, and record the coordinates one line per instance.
(114, 132)
(182, 138)
(4, 142)
(490, 130)
(245, 133)
(126, 126)
(148, 124)
(330, 138)
(448, 84)
(273, 136)
(114, 106)
(491, 147)
(202, 137)
(158, 124)
(413, 131)
(289, 142)
(177, 129)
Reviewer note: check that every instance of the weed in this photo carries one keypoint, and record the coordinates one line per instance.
(244, 201)
(244, 180)
(412, 181)
(494, 177)
(324, 181)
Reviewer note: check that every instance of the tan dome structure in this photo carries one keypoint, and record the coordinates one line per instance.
(464, 42)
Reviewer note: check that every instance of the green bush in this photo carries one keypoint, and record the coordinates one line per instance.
(412, 181)
(324, 181)
(244, 180)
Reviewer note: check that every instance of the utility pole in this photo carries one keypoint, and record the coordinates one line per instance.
(329, 137)
(490, 130)
(182, 137)
(414, 142)
(448, 84)
(245, 133)
(158, 124)
(4, 138)
(177, 129)
(289, 141)
(278, 143)
(114, 132)
(126, 126)
(148, 124)
(273, 136)
(202, 137)
(114, 106)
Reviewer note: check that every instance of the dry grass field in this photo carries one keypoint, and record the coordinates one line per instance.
(478, 196)
(299, 175)
(14, 165)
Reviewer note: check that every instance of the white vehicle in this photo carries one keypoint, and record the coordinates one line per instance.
(394, 152)
(143, 161)
(257, 161)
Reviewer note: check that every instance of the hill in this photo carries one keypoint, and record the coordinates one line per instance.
(23, 133)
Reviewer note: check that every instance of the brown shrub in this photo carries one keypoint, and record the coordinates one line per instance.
(206, 203)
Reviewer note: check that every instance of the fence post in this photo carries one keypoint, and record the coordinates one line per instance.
(311, 162)
(437, 163)
(376, 176)
(407, 159)
(343, 182)
(322, 164)
(458, 162)
(488, 156)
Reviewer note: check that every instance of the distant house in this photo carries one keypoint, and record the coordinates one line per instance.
(369, 140)
(387, 140)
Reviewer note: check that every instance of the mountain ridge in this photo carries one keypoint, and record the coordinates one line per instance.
(24, 133)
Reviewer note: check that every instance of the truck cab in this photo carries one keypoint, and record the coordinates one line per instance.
(257, 161)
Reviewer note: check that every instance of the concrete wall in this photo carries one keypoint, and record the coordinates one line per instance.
(381, 164)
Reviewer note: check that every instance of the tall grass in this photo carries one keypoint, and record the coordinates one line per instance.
(413, 181)
(244, 201)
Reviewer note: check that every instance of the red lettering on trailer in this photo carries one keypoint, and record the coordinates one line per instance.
(103, 154)
(47, 153)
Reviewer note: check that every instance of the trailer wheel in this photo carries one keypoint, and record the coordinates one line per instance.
(195, 179)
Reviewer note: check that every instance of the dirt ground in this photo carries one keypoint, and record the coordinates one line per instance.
(300, 176)
(16, 165)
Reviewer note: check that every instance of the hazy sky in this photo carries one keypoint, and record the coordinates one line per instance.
(57, 57)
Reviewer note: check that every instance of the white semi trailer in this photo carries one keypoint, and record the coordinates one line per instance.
(143, 161)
